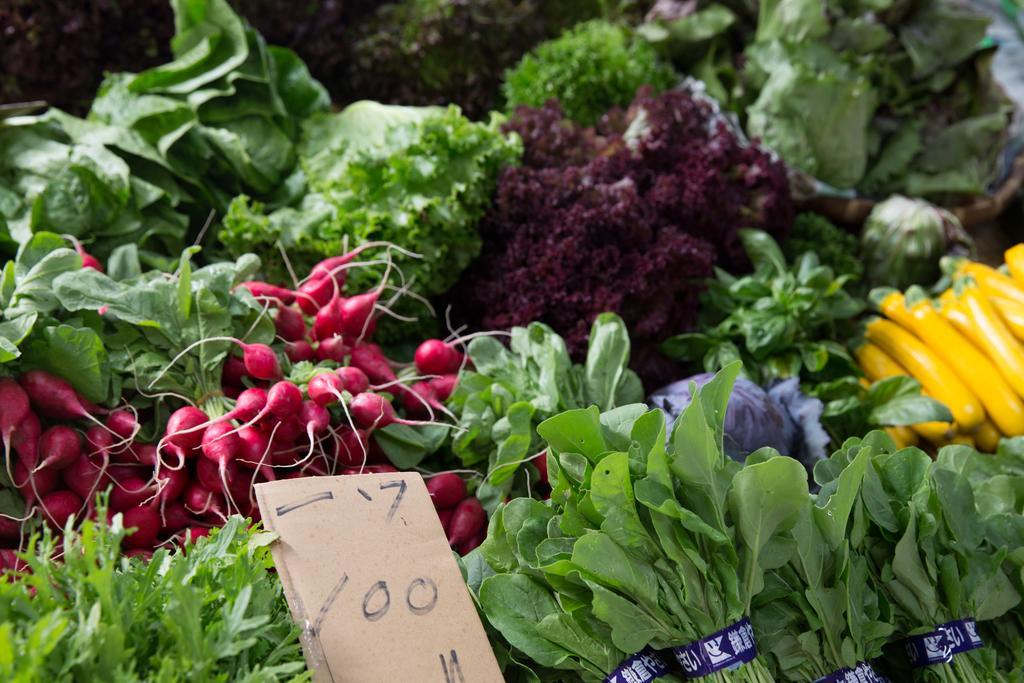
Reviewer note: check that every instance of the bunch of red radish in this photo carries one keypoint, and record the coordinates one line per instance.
(204, 466)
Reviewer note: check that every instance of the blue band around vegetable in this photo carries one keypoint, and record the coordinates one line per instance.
(862, 673)
(643, 667)
(729, 648)
(939, 646)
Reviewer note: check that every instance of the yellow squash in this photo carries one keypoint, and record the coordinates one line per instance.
(1012, 313)
(1014, 257)
(963, 440)
(987, 437)
(991, 281)
(933, 374)
(877, 365)
(953, 311)
(903, 436)
(973, 367)
(998, 342)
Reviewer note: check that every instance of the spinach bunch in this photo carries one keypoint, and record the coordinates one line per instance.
(997, 482)
(511, 390)
(212, 613)
(924, 537)
(819, 613)
(647, 541)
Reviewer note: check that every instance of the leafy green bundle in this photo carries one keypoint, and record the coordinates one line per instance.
(591, 68)
(883, 97)
(211, 612)
(500, 403)
(420, 177)
(924, 537)
(646, 542)
(162, 148)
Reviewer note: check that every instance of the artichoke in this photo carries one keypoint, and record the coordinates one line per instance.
(903, 240)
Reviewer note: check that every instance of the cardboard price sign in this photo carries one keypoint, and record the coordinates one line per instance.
(368, 573)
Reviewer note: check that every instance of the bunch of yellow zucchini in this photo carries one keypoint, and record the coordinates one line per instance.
(965, 349)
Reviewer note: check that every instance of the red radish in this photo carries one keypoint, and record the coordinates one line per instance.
(472, 544)
(130, 492)
(248, 406)
(98, 441)
(170, 484)
(146, 555)
(260, 361)
(253, 444)
(265, 290)
(181, 428)
(443, 386)
(85, 477)
(58, 447)
(290, 324)
(10, 529)
(123, 423)
(146, 454)
(314, 294)
(201, 501)
(315, 417)
(35, 484)
(90, 261)
(328, 322)
(381, 469)
(174, 517)
(298, 351)
(333, 348)
(220, 443)
(445, 517)
(284, 400)
(194, 533)
(14, 409)
(371, 360)
(371, 410)
(208, 473)
(146, 522)
(25, 439)
(10, 561)
(353, 380)
(324, 388)
(351, 447)
(467, 519)
(55, 398)
(234, 371)
(356, 312)
(437, 357)
(541, 463)
(420, 400)
(231, 392)
(446, 490)
(59, 506)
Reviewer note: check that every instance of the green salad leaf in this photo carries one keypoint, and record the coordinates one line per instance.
(212, 611)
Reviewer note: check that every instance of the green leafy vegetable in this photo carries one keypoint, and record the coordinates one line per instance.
(213, 612)
(836, 248)
(511, 391)
(591, 68)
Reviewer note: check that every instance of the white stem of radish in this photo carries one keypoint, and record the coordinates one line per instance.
(352, 424)
(427, 474)
(405, 291)
(288, 264)
(256, 321)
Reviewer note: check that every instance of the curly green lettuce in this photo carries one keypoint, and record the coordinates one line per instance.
(589, 69)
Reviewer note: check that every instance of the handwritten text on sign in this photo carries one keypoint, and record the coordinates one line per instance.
(368, 573)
